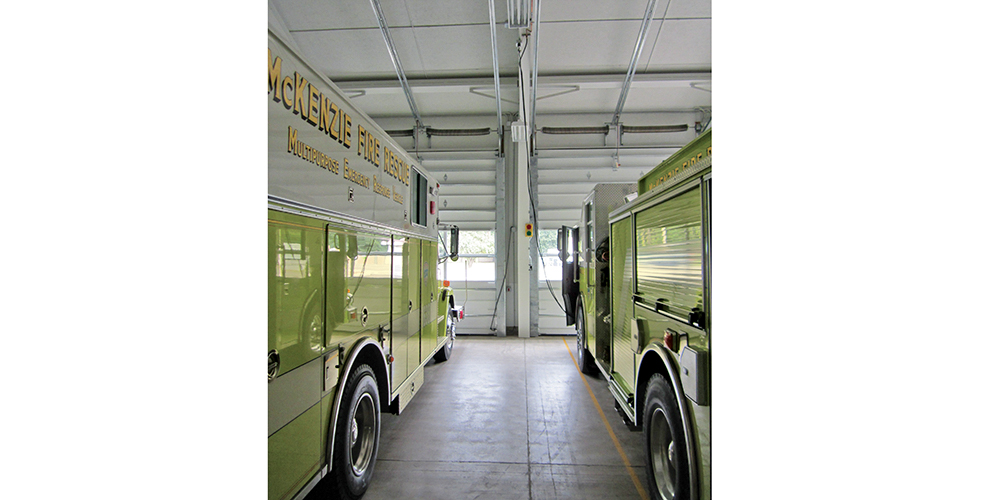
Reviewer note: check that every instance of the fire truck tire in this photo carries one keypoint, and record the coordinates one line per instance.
(444, 353)
(583, 358)
(666, 454)
(356, 440)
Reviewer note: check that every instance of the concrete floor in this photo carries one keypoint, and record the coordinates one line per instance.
(508, 418)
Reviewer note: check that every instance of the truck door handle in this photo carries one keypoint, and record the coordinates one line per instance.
(662, 305)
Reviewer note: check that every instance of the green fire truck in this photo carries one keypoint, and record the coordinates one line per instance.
(638, 289)
(355, 309)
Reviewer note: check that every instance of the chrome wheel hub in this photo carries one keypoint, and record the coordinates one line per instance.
(663, 455)
(451, 330)
(363, 434)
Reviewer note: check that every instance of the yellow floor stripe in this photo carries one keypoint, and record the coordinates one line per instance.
(607, 425)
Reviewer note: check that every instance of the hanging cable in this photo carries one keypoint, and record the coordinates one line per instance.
(538, 250)
(506, 266)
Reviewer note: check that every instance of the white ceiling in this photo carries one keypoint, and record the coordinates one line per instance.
(584, 50)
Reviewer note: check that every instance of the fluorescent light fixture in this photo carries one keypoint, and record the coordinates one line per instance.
(518, 12)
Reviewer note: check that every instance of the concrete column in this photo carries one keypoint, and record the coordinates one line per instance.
(502, 240)
(522, 243)
(521, 204)
(509, 231)
(533, 245)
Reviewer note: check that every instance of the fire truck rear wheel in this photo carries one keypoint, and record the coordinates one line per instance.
(444, 353)
(356, 440)
(666, 453)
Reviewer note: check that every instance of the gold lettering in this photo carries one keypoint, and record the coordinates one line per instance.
(362, 137)
(375, 156)
(347, 130)
(334, 126)
(287, 91)
(300, 96)
(293, 139)
(314, 101)
(324, 115)
(273, 75)
(381, 189)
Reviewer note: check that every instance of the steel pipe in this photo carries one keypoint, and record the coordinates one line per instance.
(496, 76)
(639, 42)
(534, 71)
(395, 60)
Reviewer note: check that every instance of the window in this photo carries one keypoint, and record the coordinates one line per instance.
(550, 265)
(588, 242)
(476, 257)
(418, 199)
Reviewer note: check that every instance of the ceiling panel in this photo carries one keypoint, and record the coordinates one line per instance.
(454, 51)
(585, 47)
(388, 104)
(644, 100)
(424, 13)
(681, 46)
(353, 14)
(594, 10)
(320, 14)
(689, 9)
(580, 48)
(348, 55)
(581, 101)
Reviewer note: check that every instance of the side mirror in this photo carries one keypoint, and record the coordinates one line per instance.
(562, 243)
(453, 254)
